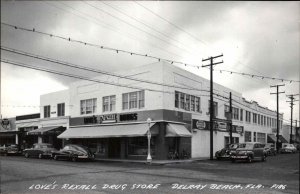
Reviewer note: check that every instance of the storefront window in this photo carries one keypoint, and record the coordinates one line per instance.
(133, 100)
(182, 100)
(242, 114)
(234, 140)
(61, 109)
(235, 113)
(197, 100)
(215, 108)
(88, 106)
(109, 103)
(139, 146)
(47, 111)
(125, 101)
(141, 99)
(261, 137)
(177, 99)
(187, 102)
(192, 103)
(247, 136)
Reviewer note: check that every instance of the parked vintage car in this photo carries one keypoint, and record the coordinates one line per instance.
(39, 150)
(288, 148)
(249, 151)
(73, 152)
(10, 149)
(270, 149)
(226, 152)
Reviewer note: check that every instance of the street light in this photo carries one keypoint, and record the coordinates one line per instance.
(149, 158)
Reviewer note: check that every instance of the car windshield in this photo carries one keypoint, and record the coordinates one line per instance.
(246, 145)
(79, 148)
(233, 146)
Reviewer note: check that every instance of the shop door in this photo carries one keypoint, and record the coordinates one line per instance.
(114, 148)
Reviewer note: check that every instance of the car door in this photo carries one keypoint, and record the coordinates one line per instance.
(257, 150)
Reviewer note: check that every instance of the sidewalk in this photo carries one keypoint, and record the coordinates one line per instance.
(154, 162)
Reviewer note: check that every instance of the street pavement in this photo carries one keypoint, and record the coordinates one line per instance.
(280, 174)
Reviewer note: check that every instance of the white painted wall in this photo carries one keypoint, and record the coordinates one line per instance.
(53, 99)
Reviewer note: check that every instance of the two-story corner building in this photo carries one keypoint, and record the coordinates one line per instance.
(110, 115)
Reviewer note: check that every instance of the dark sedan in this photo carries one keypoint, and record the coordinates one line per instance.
(270, 149)
(39, 150)
(73, 152)
(10, 149)
(249, 151)
(226, 152)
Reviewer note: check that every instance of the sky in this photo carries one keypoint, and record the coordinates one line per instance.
(260, 38)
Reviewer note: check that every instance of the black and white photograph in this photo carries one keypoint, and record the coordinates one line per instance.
(153, 97)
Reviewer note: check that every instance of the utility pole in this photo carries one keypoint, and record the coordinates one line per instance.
(230, 124)
(292, 104)
(296, 131)
(211, 59)
(277, 131)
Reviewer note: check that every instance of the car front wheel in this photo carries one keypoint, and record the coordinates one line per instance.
(263, 158)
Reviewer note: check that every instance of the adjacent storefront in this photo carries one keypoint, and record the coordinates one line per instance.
(8, 132)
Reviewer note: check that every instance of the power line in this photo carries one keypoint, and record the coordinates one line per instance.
(92, 69)
(109, 83)
(134, 26)
(81, 77)
(95, 45)
(203, 42)
(148, 26)
(174, 25)
(138, 54)
(112, 28)
(257, 76)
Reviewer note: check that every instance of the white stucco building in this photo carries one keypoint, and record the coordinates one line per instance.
(109, 115)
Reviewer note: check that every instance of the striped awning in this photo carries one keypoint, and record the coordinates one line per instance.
(105, 131)
(177, 130)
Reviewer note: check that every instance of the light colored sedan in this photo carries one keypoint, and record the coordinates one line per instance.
(288, 148)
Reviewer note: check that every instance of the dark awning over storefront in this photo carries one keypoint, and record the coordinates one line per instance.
(177, 130)
(271, 138)
(104, 131)
(282, 139)
(7, 133)
(45, 130)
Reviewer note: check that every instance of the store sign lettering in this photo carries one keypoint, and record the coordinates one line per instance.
(239, 129)
(111, 118)
(129, 117)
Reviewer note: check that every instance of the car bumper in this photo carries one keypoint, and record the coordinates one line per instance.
(83, 157)
(239, 157)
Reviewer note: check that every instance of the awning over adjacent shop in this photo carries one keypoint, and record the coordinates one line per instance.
(45, 130)
(177, 130)
(104, 131)
(271, 138)
(7, 133)
(282, 139)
